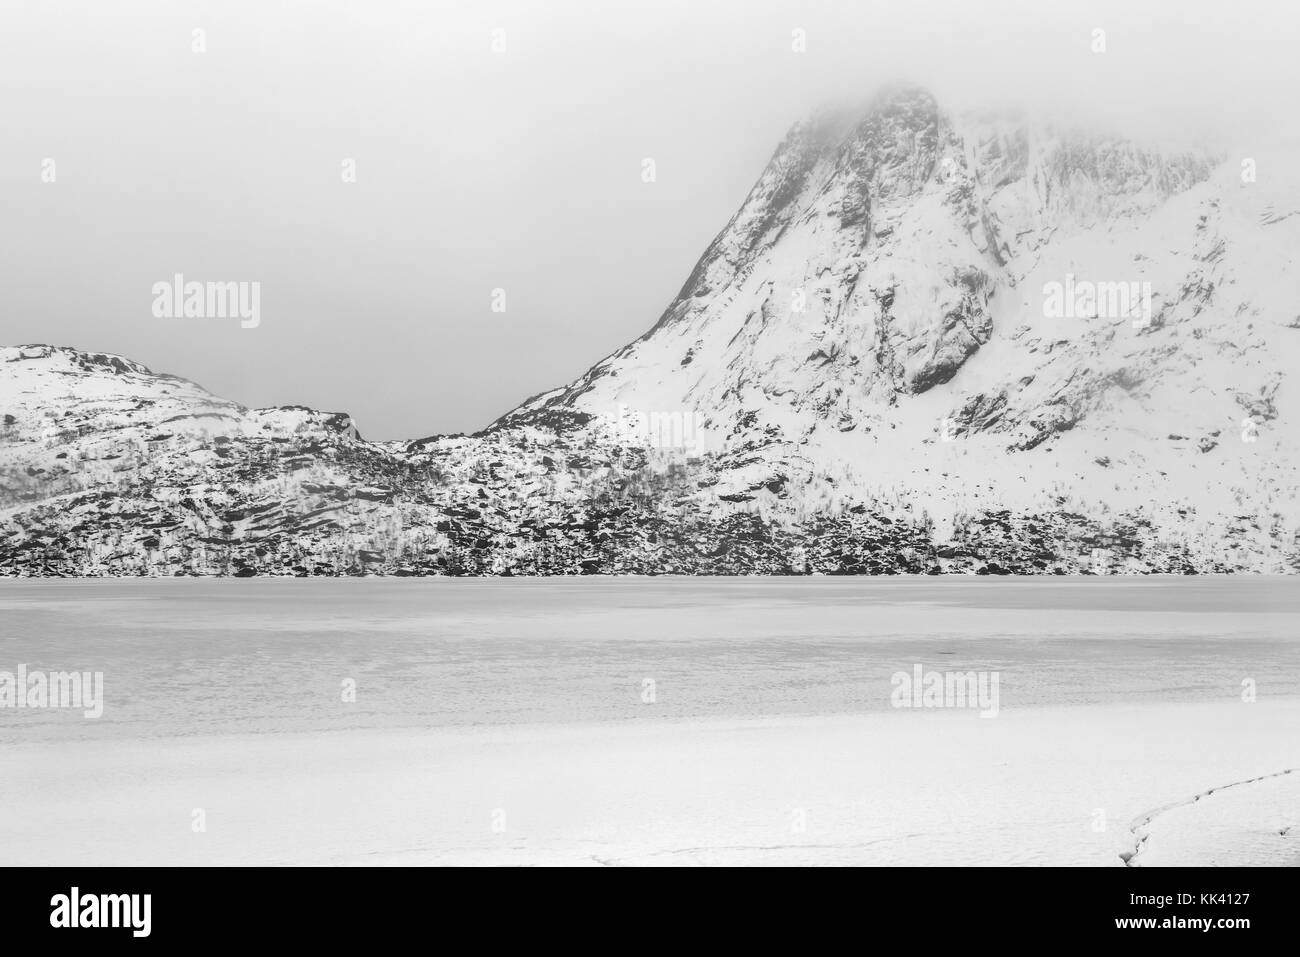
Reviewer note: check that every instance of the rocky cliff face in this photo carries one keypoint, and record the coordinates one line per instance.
(922, 344)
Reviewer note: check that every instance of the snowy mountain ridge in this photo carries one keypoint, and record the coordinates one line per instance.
(923, 343)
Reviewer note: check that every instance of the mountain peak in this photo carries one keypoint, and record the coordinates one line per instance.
(923, 343)
(886, 290)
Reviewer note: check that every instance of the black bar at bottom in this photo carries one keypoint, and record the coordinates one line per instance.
(943, 906)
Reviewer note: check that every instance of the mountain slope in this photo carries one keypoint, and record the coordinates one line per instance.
(882, 289)
(924, 344)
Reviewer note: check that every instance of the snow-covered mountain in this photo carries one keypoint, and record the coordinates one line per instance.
(924, 343)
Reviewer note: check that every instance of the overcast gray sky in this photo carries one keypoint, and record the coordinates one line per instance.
(478, 170)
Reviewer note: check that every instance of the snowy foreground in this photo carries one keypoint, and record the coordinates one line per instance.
(1032, 787)
(509, 722)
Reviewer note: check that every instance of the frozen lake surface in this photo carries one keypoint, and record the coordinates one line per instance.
(508, 721)
(184, 657)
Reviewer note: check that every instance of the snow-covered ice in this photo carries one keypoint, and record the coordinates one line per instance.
(507, 722)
